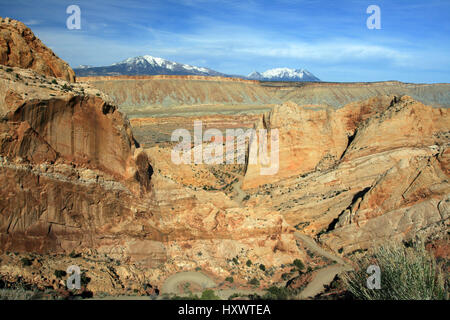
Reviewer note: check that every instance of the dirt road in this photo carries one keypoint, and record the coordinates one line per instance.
(323, 276)
(171, 283)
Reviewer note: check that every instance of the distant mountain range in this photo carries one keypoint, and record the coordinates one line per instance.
(283, 74)
(148, 65)
(145, 65)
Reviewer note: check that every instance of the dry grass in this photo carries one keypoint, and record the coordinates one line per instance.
(407, 273)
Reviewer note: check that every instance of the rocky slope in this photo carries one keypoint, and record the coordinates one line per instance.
(368, 172)
(75, 180)
(79, 190)
(19, 47)
(135, 94)
(64, 153)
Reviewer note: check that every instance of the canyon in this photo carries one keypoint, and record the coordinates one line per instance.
(88, 177)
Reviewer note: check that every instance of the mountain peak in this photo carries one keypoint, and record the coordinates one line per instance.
(283, 74)
(147, 65)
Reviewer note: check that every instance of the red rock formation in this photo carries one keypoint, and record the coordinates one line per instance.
(365, 173)
(74, 178)
(69, 163)
(19, 47)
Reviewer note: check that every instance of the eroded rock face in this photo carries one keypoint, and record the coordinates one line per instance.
(311, 138)
(134, 94)
(69, 164)
(19, 47)
(75, 179)
(366, 173)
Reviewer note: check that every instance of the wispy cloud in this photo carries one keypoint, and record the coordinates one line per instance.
(329, 38)
(32, 23)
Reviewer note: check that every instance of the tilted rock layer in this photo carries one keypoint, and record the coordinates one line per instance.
(19, 47)
(74, 179)
(367, 172)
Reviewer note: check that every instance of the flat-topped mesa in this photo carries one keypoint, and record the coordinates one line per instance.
(167, 77)
(19, 47)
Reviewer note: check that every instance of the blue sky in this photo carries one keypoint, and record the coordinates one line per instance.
(328, 38)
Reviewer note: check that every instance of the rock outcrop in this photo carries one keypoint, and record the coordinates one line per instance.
(75, 180)
(68, 162)
(19, 47)
(368, 172)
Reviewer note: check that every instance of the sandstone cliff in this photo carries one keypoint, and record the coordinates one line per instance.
(75, 179)
(19, 47)
(66, 156)
(368, 172)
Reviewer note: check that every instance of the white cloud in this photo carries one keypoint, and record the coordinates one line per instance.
(32, 22)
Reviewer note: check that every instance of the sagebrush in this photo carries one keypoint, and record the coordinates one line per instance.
(407, 273)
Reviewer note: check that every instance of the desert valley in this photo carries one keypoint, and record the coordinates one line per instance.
(88, 180)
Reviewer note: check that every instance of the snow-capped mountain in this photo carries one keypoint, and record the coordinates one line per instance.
(83, 66)
(146, 65)
(283, 74)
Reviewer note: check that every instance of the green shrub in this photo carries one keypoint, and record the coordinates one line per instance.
(26, 262)
(60, 274)
(249, 263)
(74, 255)
(299, 264)
(235, 260)
(9, 70)
(234, 295)
(254, 282)
(84, 279)
(66, 87)
(285, 276)
(209, 294)
(17, 294)
(278, 293)
(407, 273)
(229, 279)
(54, 81)
(262, 267)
